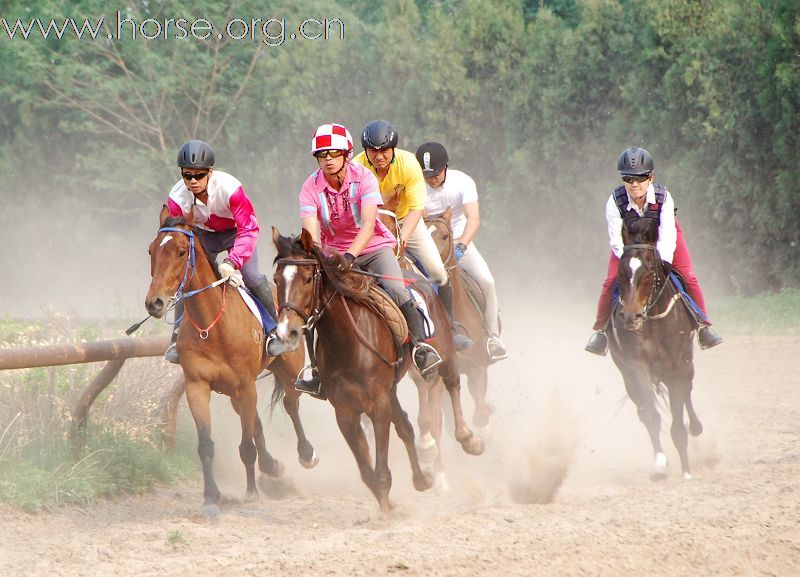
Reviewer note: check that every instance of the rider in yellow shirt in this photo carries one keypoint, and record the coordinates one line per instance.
(399, 173)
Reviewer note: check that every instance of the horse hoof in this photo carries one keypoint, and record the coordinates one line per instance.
(211, 511)
(687, 476)
(310, 463)
(440, 484)
(472, 445)
(276, 469)
(426, 449)
(695, 428)
(424, 481)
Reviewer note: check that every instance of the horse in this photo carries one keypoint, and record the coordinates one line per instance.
(473, 362)
(358, 362)
(651, 341)
(226, 356)
(430, 393)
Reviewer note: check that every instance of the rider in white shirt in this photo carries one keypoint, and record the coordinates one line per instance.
(449, 188)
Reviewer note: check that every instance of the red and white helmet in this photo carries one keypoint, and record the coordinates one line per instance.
(332, 137)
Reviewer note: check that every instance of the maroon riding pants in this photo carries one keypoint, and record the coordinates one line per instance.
(681, 262)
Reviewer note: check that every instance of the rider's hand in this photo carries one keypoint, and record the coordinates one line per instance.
(226, 269)
(347, 262)
(460, 249)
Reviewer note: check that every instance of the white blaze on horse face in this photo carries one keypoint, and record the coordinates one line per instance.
(634, 265)
(289, 272)
(165, 240)
(432, 228)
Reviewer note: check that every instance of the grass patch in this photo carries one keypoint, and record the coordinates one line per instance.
(767, 314)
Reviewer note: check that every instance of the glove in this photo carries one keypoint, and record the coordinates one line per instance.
(460, 249)
(226, 269)
(347, 262)
(667, 266)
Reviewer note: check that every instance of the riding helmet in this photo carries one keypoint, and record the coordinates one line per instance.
(635, 162)
(196, 154)
(432, 157)
(379, 134)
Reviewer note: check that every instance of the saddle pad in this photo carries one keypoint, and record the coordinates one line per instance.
(427, 321)
(258, 310)
(383, 305)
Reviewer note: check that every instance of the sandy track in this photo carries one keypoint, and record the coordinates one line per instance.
(740, 515)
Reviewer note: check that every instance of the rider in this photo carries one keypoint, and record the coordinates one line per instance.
(449, 188)
(640, 197)
(224, 221)
(399, 173)
(339, 207)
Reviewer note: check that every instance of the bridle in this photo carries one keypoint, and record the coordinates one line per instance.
(659, 285)
(312, 317)
(450, 246)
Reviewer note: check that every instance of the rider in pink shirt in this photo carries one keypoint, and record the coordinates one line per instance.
(339, 207)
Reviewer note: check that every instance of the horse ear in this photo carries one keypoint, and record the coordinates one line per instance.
(306, 240)
(447, 214)
(162, 218)
(276, 237)
(626, 236)
(189, 218)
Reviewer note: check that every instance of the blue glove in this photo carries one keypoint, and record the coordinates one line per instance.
(460, 249)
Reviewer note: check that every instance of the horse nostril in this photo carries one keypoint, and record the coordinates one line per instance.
(294, 334)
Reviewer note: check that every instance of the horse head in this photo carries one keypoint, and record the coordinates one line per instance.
(172, 256)
(640, 271)
(388, 216)
(442, 235)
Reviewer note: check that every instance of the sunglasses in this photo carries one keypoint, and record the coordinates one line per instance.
(635, 178)
(327, 153)
(198, 176)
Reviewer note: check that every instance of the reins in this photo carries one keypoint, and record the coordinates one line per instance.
(657, 290)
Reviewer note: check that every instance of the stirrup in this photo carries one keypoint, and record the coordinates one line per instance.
(425, 347)
(496, 349)
(598, 344)
(707, 337)
(312, 386)
(171, 354)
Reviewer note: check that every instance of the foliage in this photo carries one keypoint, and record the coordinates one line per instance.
(534, 97)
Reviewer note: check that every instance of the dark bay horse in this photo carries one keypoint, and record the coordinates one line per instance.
(651, 342)
(473, 362)
(356, 356)
(221, 349)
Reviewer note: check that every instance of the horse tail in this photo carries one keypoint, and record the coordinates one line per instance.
(278, 392)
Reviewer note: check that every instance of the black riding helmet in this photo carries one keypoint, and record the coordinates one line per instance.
(432, 157)
(196, 154)
(379, 134)
(635, 162)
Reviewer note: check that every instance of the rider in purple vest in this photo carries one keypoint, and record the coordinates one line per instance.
(639, 197)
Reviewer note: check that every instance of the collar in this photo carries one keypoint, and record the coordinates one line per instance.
(650, 198)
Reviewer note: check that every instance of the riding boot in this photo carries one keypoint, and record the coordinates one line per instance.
(171, 355)
(461, 342)
(263, 292)
(598, 344)
(425, 357)
(707, 337)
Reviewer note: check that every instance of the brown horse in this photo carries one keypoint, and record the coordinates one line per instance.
(221, 348)
(358, 362)
(473, 362)
(651, 340)
(429, 418)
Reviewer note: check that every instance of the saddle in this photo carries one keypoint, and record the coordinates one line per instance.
(384, 306)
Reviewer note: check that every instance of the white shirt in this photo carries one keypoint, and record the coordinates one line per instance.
(667, 232)
(457, 190)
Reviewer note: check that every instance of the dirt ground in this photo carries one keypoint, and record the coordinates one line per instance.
(560, 411)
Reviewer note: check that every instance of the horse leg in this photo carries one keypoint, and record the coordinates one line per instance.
(477, 381)
(198, 396)
(695, 426)
(306, 453)
(349, 422)
(381, 421)
(435, 394)
(402, 424)
(266, 462)
(245, 406)
(470, 442)
(641, 393)
(427, 447)
(678, 394)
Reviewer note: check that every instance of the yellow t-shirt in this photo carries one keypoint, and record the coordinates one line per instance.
(404, 179)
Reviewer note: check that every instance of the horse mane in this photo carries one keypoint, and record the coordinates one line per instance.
(642, 231)
(351, 285)
(174, 221)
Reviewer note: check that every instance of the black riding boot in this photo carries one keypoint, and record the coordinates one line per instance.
(425, 357)
(461, 342)
(263, 292)
(171, 355)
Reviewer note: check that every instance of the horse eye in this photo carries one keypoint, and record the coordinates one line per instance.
(182, 252)
(308, 279)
